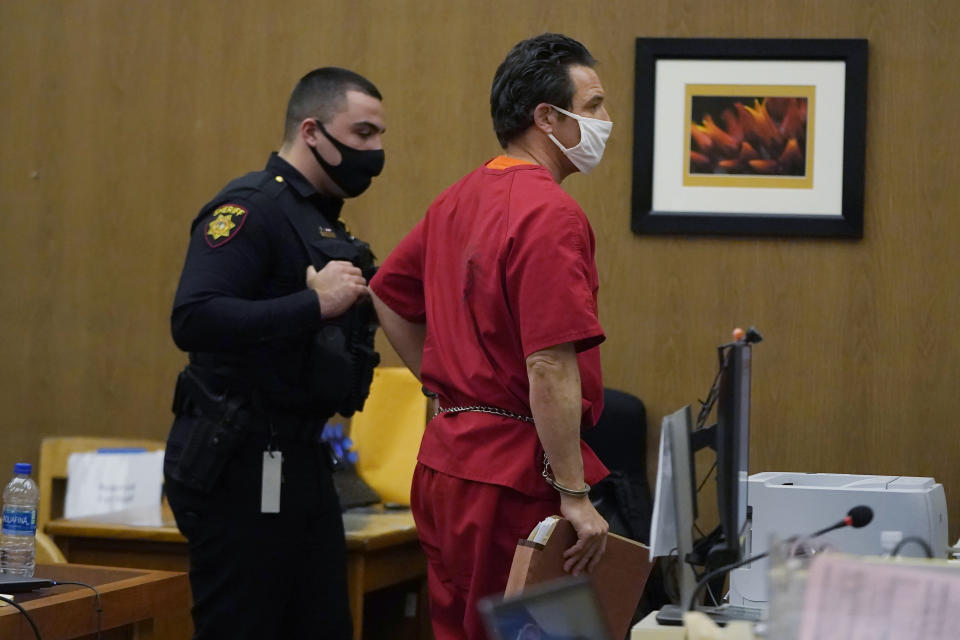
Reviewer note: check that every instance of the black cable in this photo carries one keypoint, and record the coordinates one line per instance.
(95, 592)
(707, 477)
(691, 606)
(698, 576)
(706, 406)
(712, 597)
(920, 541)
(671, 561)
(33, 624)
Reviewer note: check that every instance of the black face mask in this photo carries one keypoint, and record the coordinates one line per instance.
(356, 168)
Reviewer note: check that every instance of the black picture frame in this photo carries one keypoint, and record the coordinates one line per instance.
(847, 222)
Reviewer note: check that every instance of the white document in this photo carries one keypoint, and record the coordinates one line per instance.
(541, 532)
(663, 523)
(101, 482)
(851, 598)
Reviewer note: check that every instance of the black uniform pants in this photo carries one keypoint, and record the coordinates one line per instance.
(257, 575)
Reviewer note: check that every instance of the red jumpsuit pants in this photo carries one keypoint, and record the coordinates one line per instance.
(469, 531)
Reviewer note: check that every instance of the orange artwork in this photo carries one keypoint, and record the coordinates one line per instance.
(748, 135)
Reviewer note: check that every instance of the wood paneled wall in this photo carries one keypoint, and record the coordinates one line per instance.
(120, 119)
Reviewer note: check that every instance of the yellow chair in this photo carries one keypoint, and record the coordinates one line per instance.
(47, 550)
(386, 434)
(52, 475)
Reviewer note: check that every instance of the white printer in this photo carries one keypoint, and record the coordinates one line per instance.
(797, 504)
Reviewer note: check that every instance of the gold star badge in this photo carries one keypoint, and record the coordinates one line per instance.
(225, 223)
(220, 227)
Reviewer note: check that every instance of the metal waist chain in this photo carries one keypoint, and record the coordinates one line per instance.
(496, 411)
(503, 413)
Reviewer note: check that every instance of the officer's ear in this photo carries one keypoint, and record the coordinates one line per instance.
(310, 131)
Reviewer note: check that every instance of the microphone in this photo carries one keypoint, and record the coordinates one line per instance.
(858, 517)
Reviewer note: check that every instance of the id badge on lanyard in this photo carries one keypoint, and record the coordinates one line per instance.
(270, 481)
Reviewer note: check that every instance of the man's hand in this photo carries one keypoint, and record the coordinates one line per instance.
(338, 285)
(591, 531)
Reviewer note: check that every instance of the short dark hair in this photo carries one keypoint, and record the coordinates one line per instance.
(322, 93)
(536, 70)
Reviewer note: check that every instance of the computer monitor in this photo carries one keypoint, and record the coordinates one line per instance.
(729, 437)
(732, 444)
(673, 517)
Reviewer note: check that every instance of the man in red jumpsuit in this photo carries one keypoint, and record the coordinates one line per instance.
(491, 300)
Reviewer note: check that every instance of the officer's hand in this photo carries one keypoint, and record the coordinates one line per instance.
(591, 531)
(338, 285)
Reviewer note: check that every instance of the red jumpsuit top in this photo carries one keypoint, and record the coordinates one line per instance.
(501, 266)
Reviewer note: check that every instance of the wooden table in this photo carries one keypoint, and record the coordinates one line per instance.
(131, 599)
(650, 629)
(382, 550)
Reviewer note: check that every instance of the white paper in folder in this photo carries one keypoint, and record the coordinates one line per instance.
(111, 480)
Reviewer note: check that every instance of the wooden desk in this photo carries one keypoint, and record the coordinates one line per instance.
(131, 599)
(382, 550)
(650, 629)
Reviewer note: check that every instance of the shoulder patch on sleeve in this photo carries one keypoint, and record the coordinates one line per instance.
(224, 224)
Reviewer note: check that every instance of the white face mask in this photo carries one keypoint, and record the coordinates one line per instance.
(586, 154)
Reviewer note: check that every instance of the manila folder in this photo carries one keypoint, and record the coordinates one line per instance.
(618, 579)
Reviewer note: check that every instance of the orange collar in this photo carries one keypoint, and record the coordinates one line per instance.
(505, 162)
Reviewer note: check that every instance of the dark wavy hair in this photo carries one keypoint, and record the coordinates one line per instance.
(536, 70)
(322, 93)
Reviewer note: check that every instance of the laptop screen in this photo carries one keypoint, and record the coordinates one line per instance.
(564, 609)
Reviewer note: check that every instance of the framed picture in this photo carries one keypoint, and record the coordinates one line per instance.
(749, 137)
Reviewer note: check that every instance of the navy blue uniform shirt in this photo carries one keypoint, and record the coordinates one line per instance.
(242, 308)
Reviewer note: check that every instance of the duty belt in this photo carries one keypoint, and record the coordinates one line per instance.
(193, 397)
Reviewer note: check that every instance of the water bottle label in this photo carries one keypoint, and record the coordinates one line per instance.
(19, 523)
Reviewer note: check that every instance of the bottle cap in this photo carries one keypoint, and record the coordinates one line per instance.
(23, 467)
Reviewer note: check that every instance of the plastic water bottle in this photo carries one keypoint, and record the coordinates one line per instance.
(18, 538)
